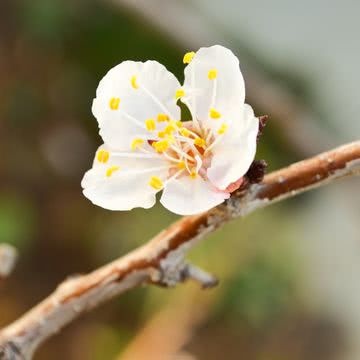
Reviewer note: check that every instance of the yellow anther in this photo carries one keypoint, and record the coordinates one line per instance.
(161, 134)
(103, 156)
(212, 74)
(156, 183)
(150, 124)
(184, 132)
(181, 165)
(136, 143)
(169, 129)
(133, 82)
(162, 118)
(199, 142)
(114, 103)
(179, 94)
(179, 124)
(214, 114)
(193, 174)
(161, 145)
(188, 57)
(222, 129)
(111, 170)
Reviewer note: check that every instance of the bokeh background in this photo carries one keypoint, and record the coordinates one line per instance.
(289, 274)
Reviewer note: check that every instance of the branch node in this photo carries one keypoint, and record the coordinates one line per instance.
(170, 276)
(170, 273)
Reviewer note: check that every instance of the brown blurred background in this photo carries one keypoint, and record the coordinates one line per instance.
(289, 274)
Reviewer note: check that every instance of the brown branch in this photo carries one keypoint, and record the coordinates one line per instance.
(8, 256)
(161, 261)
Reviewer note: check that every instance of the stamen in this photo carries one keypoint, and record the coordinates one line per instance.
(215, 142)
(222, 129)
(214, 114)
(169, 129)
(161, 134)
(213, 96)
(187, 166)
(161, 146)
(208, 136)
(193, 175)
(182, 153)
(173, 177)
(150, 124)
(188, 57)
(190, 143)
(184, 132)
(136, 121)
(199, 142)
(147, 155)
(198, 163)
(181, 165)
(162, 117)
(148, 170)
(114, 103)
(136, 143)
(179, 94)
(156, 100)
(156, 183)
(170, 138)
(103, 156)
(192, 103)
(191, 133)
(170, 157)
(212, 74)
(111, 170)
(133, 82)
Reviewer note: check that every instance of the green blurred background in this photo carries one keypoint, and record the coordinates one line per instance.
(289, 274)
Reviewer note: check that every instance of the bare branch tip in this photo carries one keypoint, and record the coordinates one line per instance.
(205, 279)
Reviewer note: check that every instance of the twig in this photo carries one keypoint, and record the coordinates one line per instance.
(8, 256)
(161, 261)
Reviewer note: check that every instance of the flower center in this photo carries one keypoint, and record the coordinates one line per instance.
(184, 147)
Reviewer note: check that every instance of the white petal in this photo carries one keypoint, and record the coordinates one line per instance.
(127, 187)
(155, 94)
(224, 93)
(234, 153)
(187, 196)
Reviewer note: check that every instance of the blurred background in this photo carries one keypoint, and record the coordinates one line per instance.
(289, 274)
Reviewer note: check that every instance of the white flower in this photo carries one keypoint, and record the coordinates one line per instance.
(148, 149)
